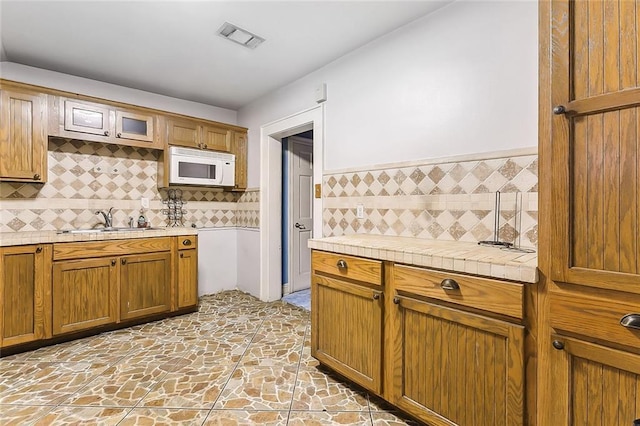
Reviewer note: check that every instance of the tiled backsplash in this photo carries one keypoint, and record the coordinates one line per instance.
(86, 177)
(452, 200)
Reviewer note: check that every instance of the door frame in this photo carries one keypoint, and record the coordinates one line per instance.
(271, 135)
(290, 194)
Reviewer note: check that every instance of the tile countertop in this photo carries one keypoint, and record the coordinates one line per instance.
(42, 237)
(455, 256)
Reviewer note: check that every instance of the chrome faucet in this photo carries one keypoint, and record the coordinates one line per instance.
(108, 219)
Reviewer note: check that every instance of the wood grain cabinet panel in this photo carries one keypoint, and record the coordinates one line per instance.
(183, 132)
(239, 149)
(346, 330)
(23, 137)
(145, 285)
(216, 138)
(593, 385)
(455, 368)
(348, 267)
(25, 310)
(187, 282)
(85, 294)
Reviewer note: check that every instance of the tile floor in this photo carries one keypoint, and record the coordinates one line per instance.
(237, 361)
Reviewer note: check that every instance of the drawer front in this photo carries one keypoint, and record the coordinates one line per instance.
(355, 268)
(590, 314)
(501, 297)
(87, 249)
(186, 242)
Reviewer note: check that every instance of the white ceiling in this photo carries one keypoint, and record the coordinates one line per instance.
(172, 48)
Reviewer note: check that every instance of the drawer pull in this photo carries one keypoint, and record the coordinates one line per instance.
(36, 176)
(376, 296)
(341, 264)
(123, 261)
(558, 345)
(396, 300)
(39, 249)
(186, 242)
(113, 262)
(449, 284)
(182, 255)
(631, 321)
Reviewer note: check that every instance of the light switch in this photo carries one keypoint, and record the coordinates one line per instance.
(359, 211)
(144, 203)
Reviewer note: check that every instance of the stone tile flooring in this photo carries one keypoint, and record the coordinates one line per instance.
(237, 361)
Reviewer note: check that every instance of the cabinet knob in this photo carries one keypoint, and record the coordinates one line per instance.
(113, 262)
(449, 284)
(342, 264)
(376, 296)
(36, 176)
(119, 135)
(106, 133)
(181, 254)
(205, 146)
(123, 261)
(186, 242)
(558, 345)
(559, 110)
(396, 300)
(631, 321)
(39, 249)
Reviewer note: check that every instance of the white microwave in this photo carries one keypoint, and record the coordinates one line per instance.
(198, 167)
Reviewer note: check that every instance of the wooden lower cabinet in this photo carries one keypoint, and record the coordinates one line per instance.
(145, 285)
(346, 330)
(592, 384)
(187, 282)
(25, 311)
(85, 294)
(450, 367)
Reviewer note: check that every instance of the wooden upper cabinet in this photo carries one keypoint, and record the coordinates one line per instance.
(216, 138)
(25, 279)
(197, 134)
(239, 149)
(134, 126)
(98, 122)
(183, 133)
(87, 117)
(23, 135)
(596, 144)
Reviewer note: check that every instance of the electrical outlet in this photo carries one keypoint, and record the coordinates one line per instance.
(360, 211)
(144, 203)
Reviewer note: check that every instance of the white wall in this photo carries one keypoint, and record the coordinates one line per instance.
(462, 80)
(99, 89)
(249, 260)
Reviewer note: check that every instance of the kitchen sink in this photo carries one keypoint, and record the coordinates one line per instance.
(101, 230)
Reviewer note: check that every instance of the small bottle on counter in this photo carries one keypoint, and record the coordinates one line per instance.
(142, 221)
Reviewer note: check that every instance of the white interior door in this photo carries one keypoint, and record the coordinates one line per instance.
(301, 224)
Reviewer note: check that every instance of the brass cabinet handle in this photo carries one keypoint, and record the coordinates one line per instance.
(376, 296)
(106, 133)
(123, 261)
(39, 249)
(186, 242)
(205, 146)
(36, 176)
(113, 262)
(449, 284)
(558, 345)
(119, 135)
(396, 300)
(181, 254)
(559, 110)
(631, 321)
(342, 264)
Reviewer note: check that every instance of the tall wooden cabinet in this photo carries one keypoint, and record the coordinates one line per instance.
(590, 213)
(23, 135)
(25, 277)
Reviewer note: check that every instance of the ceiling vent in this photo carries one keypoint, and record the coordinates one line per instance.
(240, 36)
